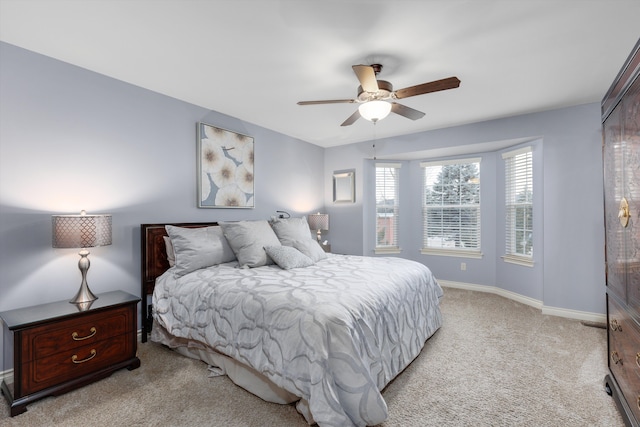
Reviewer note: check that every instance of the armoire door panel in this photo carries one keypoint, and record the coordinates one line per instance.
(614, 179)
(631, 136)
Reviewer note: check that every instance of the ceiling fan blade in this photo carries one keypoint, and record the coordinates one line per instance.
(328, 101)
(367, 77)
(405, 111)
(352, 118)
(435, 86)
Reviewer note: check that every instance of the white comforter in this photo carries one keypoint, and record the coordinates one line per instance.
(334, 333)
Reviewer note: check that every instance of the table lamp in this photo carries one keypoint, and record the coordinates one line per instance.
(319, 222)
(82, 231)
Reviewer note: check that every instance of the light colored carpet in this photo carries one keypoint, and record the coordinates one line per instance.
(495, 362)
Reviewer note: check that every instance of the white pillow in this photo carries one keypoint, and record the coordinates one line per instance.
(248, 239)
(295, 232)
(197, 248)
(288, 257)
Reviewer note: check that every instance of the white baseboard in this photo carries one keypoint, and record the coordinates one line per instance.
(551, 311)
(6, 374)
(575, 314)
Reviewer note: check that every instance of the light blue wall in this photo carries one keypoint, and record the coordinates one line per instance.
(569, 233)
(71, 139)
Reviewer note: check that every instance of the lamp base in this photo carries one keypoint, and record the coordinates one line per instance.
(84, 294)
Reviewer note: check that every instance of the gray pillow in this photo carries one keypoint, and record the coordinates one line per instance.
(248, 239)
(295, 232)
(288, 257)
(289, 230)
(310, 248)
(171, 255)
(197, 248)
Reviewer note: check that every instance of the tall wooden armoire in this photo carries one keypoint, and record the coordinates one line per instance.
(621, 154)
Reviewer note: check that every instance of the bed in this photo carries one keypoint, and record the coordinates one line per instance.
(325, 331)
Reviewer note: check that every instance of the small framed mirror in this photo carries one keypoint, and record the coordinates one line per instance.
(344, 186)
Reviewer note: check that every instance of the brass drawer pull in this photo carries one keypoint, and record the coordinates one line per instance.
(76, 338)
(74, 358)
(615, 358)
(638, 402)
(638, 362)
(614, 325)
(623, 212)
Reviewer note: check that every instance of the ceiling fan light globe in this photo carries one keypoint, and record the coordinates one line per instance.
(374, 110)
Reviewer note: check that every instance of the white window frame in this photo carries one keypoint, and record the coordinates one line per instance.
(453, 251)
(518, 169)
(394, 247)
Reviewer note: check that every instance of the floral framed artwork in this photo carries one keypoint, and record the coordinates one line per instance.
(225, 168)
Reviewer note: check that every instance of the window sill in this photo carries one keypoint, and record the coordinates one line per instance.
(518, 260)
(390, 250)
(460, 253)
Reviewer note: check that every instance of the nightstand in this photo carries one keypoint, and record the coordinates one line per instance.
(55, 348)
(326, 248)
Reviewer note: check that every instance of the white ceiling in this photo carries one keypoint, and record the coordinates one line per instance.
(254, 59)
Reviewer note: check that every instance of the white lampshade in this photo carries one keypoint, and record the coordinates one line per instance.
(375, 110)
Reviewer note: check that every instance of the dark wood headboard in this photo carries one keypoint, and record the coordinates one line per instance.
(154, 263)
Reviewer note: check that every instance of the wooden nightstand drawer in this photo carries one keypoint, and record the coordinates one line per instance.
(45, 372)
(45, 340)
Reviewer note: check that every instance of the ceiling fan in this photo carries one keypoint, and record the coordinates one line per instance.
(376, 96)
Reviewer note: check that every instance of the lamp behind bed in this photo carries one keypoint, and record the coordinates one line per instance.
(319, 222)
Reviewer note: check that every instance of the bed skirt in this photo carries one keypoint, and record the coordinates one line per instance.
(242, 375)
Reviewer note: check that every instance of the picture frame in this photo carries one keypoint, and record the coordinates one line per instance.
(344, 186)
(225, 168)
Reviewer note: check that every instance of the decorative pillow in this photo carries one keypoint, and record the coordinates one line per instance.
(289, 230)
(171, 255)
(288, 257)
(248, 239)
(197, 248)
(295, 232)
(310, 248)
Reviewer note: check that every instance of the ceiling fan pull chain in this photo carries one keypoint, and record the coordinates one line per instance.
(374, 140)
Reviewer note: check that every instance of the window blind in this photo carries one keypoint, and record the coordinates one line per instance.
(519, 202)
(387, 205)
(451, 206)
